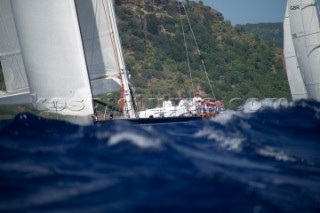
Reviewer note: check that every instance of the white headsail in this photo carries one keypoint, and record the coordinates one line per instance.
(98, 41)
(128, 108)
(297, 87)
(103, 49)
(16, 91)
(305, 30)
(53, 55)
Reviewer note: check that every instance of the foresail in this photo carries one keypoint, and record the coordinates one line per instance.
(99, 45)
(297, 87)
(51, 46)
(129, 110)
(11, 60)
(103, 50)
(305, 29)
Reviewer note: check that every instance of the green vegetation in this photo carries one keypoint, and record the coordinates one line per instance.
(239, 64)
(272, 32)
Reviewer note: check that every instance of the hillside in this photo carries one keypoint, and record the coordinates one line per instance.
(272, 32)
(238, 63)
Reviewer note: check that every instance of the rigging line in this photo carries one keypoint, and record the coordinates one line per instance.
(145, 45)
(167, 37)
(144, 61)
(187, 51)
(150, 71)
(114, 45)
(108, 21)
(197, 46)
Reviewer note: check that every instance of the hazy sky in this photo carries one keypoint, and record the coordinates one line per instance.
(249, 11)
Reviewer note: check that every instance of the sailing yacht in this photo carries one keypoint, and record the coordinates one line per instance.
(302, 48)
(59, 55)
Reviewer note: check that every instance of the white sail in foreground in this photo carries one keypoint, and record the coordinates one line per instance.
(16, 91)
(297, 87)
(305, 31)
(69, 50)
(53, 55)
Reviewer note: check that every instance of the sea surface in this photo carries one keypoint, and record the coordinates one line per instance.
(266, 161)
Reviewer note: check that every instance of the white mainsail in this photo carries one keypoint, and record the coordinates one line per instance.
(305, 31)
(16, 91)
(297, 87)
(52, 51)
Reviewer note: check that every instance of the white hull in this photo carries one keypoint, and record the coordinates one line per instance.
(167, 112)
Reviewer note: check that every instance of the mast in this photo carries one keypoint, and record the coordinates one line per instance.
(128, 109)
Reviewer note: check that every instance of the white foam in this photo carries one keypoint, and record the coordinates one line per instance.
(231, 142)
(225, 117)
(269, 152)
(135, 139)
(313, 107)
(253, 104)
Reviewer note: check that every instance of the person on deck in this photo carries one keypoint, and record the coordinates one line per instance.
(166, 103)
(183, 102)
(197, 100)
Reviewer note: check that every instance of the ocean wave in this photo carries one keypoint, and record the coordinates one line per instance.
(136, 139)
(269, 161)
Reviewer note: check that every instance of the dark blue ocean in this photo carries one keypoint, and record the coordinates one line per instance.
(267, 161)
